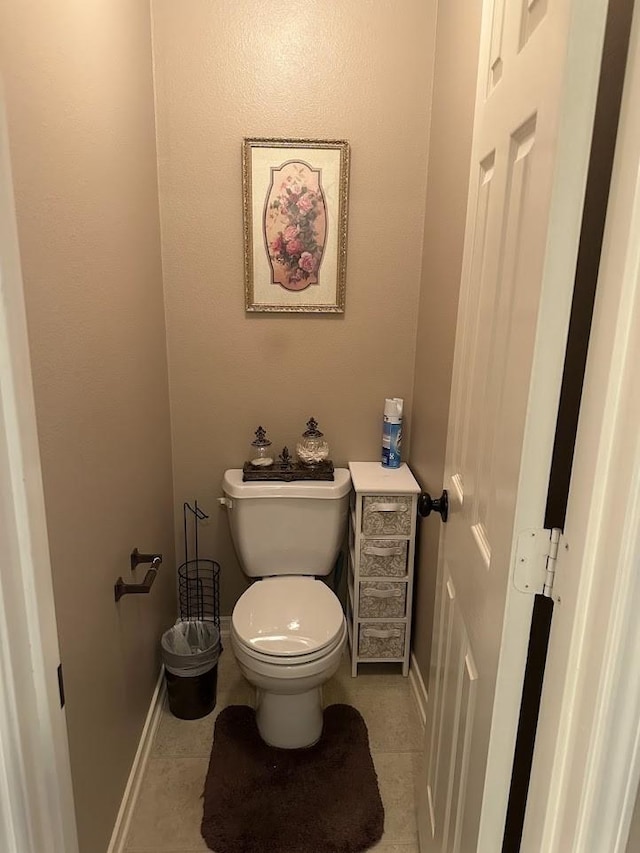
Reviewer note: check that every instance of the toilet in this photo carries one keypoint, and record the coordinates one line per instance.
(288, 630)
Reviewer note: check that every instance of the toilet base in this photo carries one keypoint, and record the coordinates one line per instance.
(289, 721)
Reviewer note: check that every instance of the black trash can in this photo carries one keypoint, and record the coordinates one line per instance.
(190, 652)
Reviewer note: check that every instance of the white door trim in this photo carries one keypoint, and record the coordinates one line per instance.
(587, 757)
(36, 799)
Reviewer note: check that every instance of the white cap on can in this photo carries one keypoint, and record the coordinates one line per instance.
(393, 408)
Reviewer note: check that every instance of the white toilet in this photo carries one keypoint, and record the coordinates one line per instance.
(288, 630)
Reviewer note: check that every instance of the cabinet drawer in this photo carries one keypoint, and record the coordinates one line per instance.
(384, 515)
(378, 598)
(383, 558)
(381, 639)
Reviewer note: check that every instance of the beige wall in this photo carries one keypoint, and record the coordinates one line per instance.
(325, 69)
(456, 58)
(80, 101)
(80, 107)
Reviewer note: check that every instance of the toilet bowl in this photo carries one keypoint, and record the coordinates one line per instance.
(288, 635)
(288, 630)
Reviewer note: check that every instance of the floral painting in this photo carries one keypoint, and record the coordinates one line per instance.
(295, 225)
(295, 196)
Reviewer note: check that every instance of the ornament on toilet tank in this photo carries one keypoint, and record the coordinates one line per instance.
(312, 449)
(392, 432)
(261, 456)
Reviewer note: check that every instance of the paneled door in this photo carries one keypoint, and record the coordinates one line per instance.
(536, 91)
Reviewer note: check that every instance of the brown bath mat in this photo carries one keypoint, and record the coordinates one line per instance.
(260, 799)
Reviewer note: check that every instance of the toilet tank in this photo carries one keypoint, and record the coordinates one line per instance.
(287, 528)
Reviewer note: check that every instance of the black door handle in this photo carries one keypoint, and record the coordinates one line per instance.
(427, 505)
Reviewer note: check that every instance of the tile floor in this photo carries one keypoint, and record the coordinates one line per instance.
(169, 809)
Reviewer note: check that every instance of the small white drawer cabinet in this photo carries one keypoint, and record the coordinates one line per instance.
(382, 534)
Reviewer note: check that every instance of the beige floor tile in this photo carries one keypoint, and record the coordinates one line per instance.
(184, 738)
(228, 671)
(382, 847)
(168, 813)
(370, 673)
(386, 703)
(389, 712)
(379, 848)
(396, 780)
(169, 809)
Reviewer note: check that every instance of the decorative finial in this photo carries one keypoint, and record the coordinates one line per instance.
(312, 429)
(261, 439)
(285, 457)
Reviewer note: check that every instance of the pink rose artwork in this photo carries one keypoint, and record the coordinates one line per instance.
(307, 262)
(294, 247)
(295, 225)
(305, 202)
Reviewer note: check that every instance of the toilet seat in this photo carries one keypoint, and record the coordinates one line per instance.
(289, 663)
(288, 620)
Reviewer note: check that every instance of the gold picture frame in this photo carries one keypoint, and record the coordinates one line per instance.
(295, 206)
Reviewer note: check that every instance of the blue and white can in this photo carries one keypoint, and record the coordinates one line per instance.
(392, 432)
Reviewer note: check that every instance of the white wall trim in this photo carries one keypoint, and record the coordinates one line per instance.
(418, 689)
(132, 790)
(613, 765)
(225, 626)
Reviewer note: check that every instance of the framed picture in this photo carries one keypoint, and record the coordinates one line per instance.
(295, 194)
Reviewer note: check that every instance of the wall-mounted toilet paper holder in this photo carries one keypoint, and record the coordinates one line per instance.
(121, 588)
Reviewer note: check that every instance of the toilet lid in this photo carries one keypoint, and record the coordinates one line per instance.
(287, 616)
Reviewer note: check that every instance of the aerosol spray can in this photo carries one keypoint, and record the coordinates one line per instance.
(392, 432)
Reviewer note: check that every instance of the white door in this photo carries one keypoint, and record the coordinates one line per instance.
(537, 84)
(36, 798)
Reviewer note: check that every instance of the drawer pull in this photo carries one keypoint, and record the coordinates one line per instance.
(387, 507)
(375, 551)
(382, 593)
(382, 633)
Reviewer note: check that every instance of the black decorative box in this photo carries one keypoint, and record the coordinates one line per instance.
(288, 471)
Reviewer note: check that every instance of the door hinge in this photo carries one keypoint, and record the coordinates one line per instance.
(61, 685)
(536, 557)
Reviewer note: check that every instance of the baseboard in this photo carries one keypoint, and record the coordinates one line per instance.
(418, 689)
(123, 820)
(225, 626)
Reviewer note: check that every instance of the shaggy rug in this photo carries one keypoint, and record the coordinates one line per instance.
(260, 799)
